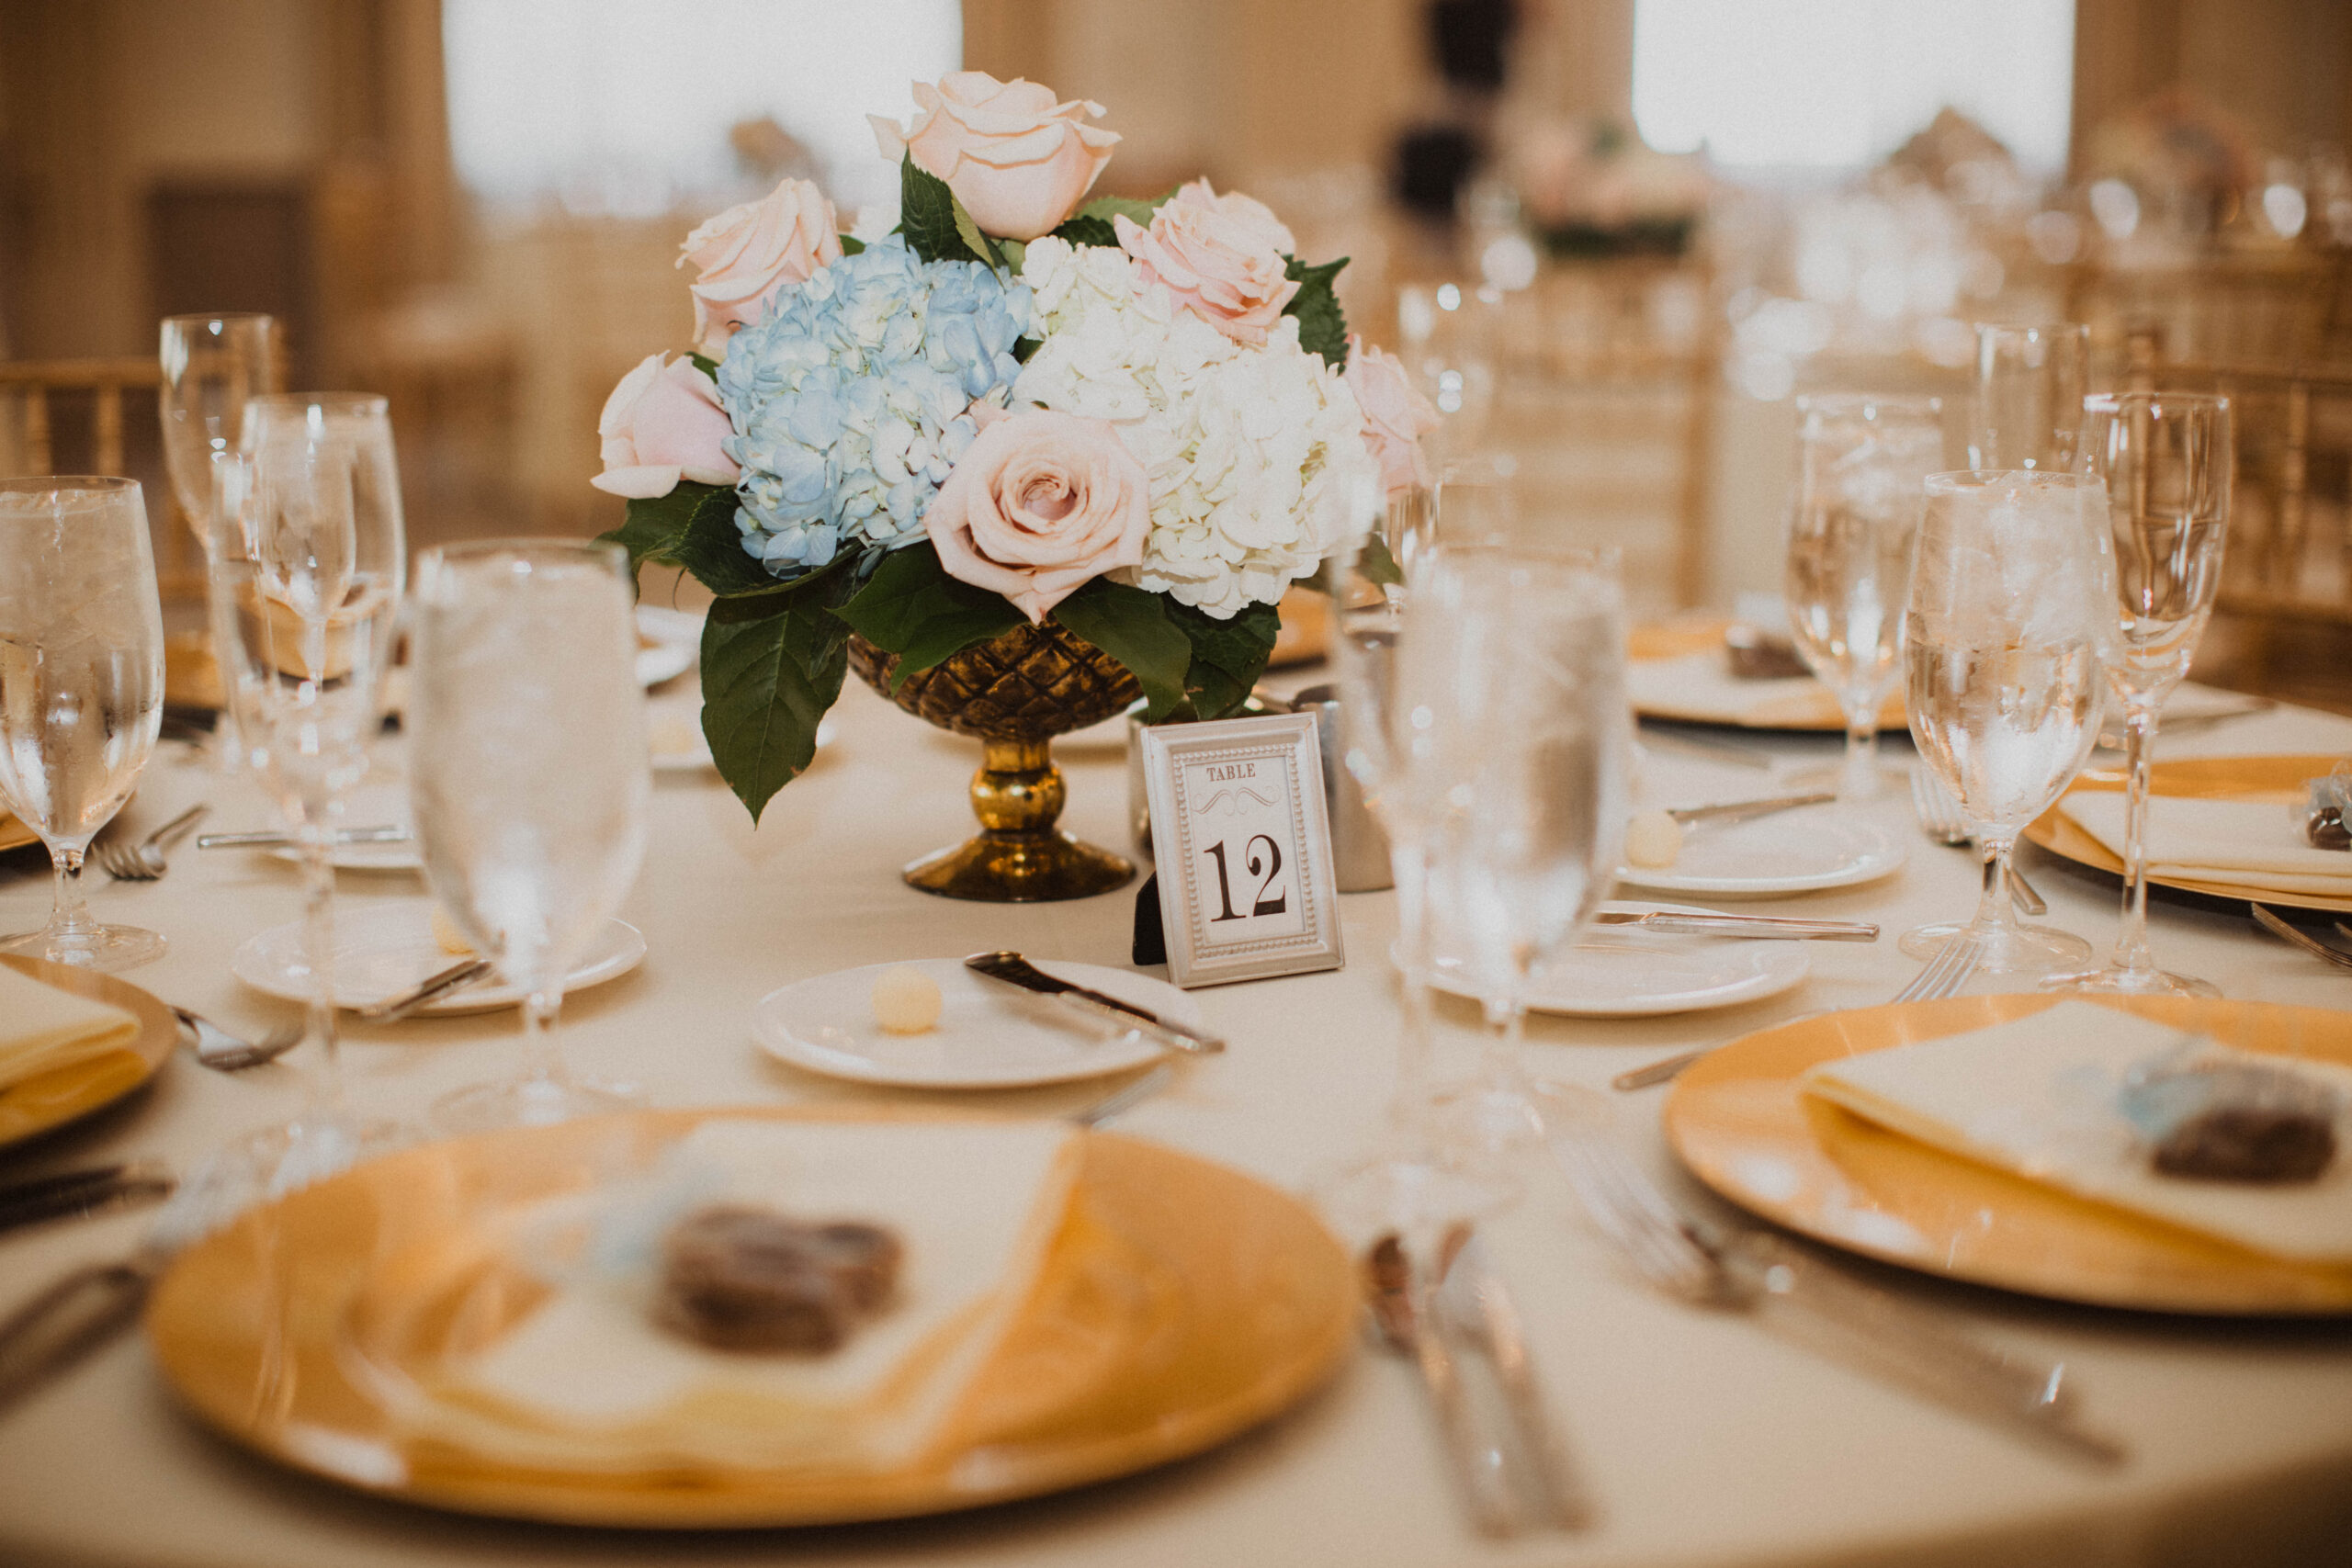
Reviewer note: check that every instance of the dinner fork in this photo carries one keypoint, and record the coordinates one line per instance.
(1939, 817)
(1943, 975)
(1788, 1288)
(144, 862)
(2303, 940)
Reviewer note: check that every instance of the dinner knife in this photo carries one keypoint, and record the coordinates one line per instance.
(1473, 1300)
(1766, 928)
(1016, 970)
(74, 1193)
(449, 981)
(1741, 810)
(272, 839)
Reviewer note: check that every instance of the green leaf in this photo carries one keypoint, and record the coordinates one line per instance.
(970, 231)
(1228, 656)
(711, 546)
(852, 244)
(1091, 225)
(927, 215)
(1322, 326)
(1025, 348)
(1375, 565)
(1133, 627)
(766, 682)
(704, 363)
(912, 608)
(651, 528)
(1015, 254)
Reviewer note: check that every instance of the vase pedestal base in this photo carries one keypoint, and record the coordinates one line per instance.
(1020, 858)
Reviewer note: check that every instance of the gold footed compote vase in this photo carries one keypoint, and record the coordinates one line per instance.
(1014, 694)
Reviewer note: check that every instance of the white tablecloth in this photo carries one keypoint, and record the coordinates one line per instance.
(1707, 1441)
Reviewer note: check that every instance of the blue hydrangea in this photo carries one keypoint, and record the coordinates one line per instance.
(848, 399)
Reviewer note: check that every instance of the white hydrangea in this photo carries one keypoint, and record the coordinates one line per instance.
(1255, 456)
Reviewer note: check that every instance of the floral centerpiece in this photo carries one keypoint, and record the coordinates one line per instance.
(1134, 422)
(1594, 188)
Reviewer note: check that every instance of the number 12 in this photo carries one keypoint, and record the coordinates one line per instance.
(1263, 906)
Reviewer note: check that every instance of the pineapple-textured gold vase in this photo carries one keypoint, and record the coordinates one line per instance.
(1014, 694)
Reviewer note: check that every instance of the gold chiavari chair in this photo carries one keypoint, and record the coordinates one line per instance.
(75, 409)
(2266, 309)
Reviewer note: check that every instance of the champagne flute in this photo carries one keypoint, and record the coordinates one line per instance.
(1407, 1183)
(214, 364)
(2162, 463)
(81, 687)
(2001, 647)
(1512, 742)
(528, 780)
(308, 564)
(2028, 408)
(1862, 462)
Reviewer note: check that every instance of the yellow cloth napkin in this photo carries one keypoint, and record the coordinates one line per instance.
(2028, 1096)
(2255, 842)
(42, 1028)
(1699, 687)
(587, 1382)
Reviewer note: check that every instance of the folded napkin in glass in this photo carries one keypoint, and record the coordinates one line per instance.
(2255, 842)
(2237, 1144)
(595, 1377)
(43, 1029)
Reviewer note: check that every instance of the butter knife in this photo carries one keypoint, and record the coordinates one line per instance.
(1765, 928)
(76, 1192)
(273, 838)
(1474, 1299)
(1016, 970)
(1741, 810)
(455, 978)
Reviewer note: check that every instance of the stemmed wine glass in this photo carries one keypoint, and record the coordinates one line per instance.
(1509, 681)
(308, 564)
(2001, 647)
(1862, 461)
(2028, 408)
(2162, 465)
(81, 687)
(214, 364)
(528, 780)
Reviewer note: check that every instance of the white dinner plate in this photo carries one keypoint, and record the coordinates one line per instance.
(1788, 852)
(674, 740)
(381, 950)
(990, 1034)
(671, 644)
(1620, 972)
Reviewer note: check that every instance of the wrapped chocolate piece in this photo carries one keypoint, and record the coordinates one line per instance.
(2211, 1119)
(2328, 820)
(1755, 654)
(739, 1278)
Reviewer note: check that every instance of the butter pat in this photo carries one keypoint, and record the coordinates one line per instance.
(1653, 839)
(906, 1000)
(447, 935)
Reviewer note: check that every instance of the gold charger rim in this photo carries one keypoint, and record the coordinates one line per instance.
(1680, 637)
(658, 1499)
(158, 1036)
(2196, 778)
(14, 832)
(2154, 1267)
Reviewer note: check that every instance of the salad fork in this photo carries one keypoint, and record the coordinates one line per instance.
(144, 862)
(1788, 1288)
(2303, 940)
(1939, 818)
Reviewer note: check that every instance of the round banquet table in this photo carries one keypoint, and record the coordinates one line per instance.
(1706, 1440)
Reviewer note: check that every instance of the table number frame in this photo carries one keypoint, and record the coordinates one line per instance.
(1241, 832)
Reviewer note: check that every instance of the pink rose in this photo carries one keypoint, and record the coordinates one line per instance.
(743, 255)
(663, 423)
(1221, 256)
(1039, 504)
(1018, 161)
(1395, 415)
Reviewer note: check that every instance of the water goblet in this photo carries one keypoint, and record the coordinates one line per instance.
(2001, 653)
(307, 567)
(2027, 412)
(214, 364)
(1862, 463)
(2162, 465)
(1511, 751)
(80, 688)
(529, 781)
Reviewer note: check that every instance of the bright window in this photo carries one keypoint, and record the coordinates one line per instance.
(625, 105)
(1840, 84)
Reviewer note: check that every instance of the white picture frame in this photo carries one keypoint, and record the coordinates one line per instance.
(1241, 832)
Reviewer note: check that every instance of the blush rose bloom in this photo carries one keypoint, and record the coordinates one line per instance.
(743, 255)
(662, 423)
(1221, 256)
(1018, 161)
(1395, 415)
(1039, 504)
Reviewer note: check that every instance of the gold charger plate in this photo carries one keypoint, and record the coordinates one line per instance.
(1686, 635)
(36, 1104)
(14, 834)
(1180, 1303)
(2204, 778)
(1736, 1120)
